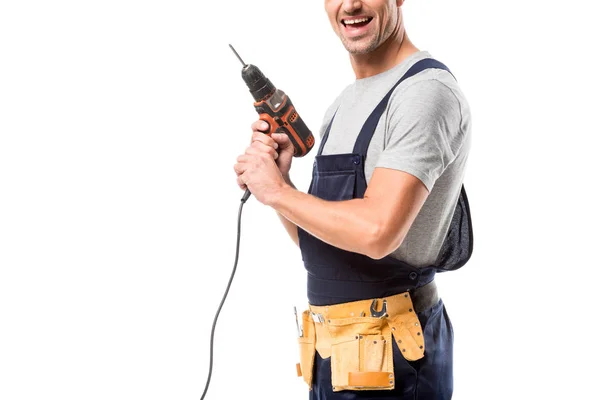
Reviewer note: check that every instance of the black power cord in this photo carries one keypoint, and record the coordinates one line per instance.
(237, 254)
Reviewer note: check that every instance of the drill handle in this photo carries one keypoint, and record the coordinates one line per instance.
(285, 119)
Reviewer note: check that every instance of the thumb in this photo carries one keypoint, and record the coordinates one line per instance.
(282, 140)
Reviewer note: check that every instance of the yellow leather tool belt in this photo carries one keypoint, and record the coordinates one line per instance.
(358, 338)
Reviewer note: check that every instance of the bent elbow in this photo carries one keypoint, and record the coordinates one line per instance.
(376, 255)
(381, 243)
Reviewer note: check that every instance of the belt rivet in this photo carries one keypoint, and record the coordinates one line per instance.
(391, 382)
(410, 310)
(420, 347)
(356, 337)
(360, 337)
(406, 295)
(416, 324)
(404, 350)
(374, 341)
(399, 341)
(393, 328)
(418, 333)
(391, 376)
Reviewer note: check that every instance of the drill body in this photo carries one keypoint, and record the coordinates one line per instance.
(275, 108)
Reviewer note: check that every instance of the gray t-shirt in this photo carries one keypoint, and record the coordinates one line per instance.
(424, 131)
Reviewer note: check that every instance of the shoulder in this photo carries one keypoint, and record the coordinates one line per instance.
(432, 95)
(429, 90)
(430, 106)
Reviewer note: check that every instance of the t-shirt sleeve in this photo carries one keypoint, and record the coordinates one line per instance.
(423, 130)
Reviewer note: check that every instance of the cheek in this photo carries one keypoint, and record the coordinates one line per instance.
(385, 21)
(331, 8)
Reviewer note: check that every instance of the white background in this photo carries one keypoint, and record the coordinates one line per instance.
(120, 122)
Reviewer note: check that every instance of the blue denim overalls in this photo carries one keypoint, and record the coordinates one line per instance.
(338, 276)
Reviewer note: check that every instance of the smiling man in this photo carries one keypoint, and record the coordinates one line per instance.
(386, 210)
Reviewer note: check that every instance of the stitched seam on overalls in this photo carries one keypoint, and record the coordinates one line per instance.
(346, 280)
(340, 172)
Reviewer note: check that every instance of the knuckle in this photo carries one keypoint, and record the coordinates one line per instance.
(265, 139)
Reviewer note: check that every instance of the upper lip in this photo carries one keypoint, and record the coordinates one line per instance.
(344, 19)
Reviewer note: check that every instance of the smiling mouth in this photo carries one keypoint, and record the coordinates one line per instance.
(356, 22)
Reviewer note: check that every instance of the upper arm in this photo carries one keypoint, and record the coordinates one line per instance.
(422, 137)
(396, 197)
(423, 131)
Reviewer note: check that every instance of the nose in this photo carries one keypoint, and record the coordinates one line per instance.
(351, 6)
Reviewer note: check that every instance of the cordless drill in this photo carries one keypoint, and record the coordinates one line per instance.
(276, 109)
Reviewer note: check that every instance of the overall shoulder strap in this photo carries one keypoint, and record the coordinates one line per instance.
(326, 135)
(366, 133)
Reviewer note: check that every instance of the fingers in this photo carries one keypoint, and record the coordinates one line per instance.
(241, 184)
(247, 159)
(261, 145)
(264, 139)
(252, 155)
(261, 126)
(282, 140)
(239, 169)
(258, 147)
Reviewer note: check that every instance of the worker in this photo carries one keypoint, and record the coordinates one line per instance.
(385, 211)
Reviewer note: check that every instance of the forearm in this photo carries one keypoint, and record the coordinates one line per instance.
(290, 227)
(350, 225)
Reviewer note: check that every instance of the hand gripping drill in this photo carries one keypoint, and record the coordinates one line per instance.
(276, 109)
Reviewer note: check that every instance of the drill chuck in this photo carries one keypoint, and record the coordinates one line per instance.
(259, 85)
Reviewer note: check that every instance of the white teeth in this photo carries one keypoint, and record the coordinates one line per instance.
(355, 21)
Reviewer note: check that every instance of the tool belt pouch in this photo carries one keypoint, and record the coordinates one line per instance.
(306, 343)
(361, 354)
(406, 328)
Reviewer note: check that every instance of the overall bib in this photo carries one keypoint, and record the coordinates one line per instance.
(337, 276)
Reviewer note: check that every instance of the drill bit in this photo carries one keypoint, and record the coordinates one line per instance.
(238, 56)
